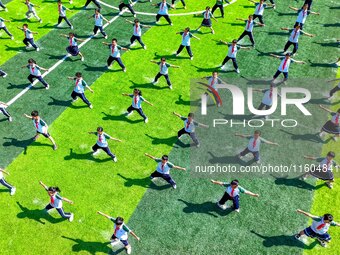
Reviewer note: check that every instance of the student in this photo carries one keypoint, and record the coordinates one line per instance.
(79, 89)
(121, 232)
(324, 171)
(73, 45)
(94, 1)
(294, 38)
(232, 193)
(334, 90)
(3, 107)
(163, 169)
(127, 4)
(232, 52)
(248, 30)
(3, 27)
(213, 80)
(137, 32)
(163, 11)
(115, 54)
(189, 127)
(284, 66)
(62, 14)
(207, 16)
(186, 35)
(6, 184)
(182, 1)
(35, 72)
(259, 10)
(273, 3)
(267, 99)
(29, 40)
(163, 71)
(98, 18)
(331, 126)
(56, 201)
(41, 127)
(219, 4)
(319, 227)
(103, 144)
(136, 105)
(3, 74)
(254, 145)
(302, 15)
(31, 10)
(3, 6)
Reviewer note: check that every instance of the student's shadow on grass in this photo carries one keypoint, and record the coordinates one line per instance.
(330, 65)
(332, 25)
(147, 85)
(85, 156)
(37, 215)
(95, 68)
(208, 208)
(314, 138)
(48, 25)
(286, 13)
(257, 82)
(295, 182)
(328, 44)
(65, 103)
(22, 143)
(205, 69)
(50, 56)
(92, 248)
(322, 100)
(143, 182)
(23, 86)
(283, 240)
(171, 56)
(234, 159)
(10, 48)
(121, 117)
(283, 33)
(235, 24)
(172, 140)
(265, 54)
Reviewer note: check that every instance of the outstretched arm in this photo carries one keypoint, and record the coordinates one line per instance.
(251, 193)
(338, 79)
(149, 156)
(134, 235)
(275, 56)
(217, 182)
(224, 42)
(115, 139)
(176, 114)
(324, 108)
(240, 135)
(180, 168)
(308, 34)
(310, 157)
(293, 8)
(105, 215)
(129, 21)
(146, 101)
(5, 172)
(105, 43)
(306, 214)
(271, 143)
(68, 200)
(27, 116)
(194, 36)
(44, 186)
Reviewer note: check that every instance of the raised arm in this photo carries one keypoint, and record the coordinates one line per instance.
(251, 193)
(134, 235)
(180, 168)
(306, 213)
(324, 108)
(149, 156)
(226, 43)
(105, 215)
(176, 114)
(129, 21)
(68, 200)
(43, 185)
(105, 43)
(308, 34)
(240, 135)
(217, 182)
(275, 56)
(293, 8)
(310, 157)
(27, 116)
(5, 172)
(194, 36)
(146, 101)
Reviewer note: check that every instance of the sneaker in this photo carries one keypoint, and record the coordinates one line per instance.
(212, 31)
(144, 47)
(37, 49)
(237, 70)
(258, 161)
(71, 217)
(55, 147)
(10, 119)
(115, 159)
(322, 243)
(198, 145)
(192, 57)
(274, 6)
(40, 20)
(329, 185)
(237, 210)
(27, 47)
(297, 237)
(134, 15)
(105, 36)
(170, 87)
(176, 54)
(82, 59)
(75, 99)
(91, 106)
(146, 120)
(6, 10)
(335, 138)
(95, 153)
(154, 82)
(174, 186)
(47, 87)
(171, 24)
(5, 75)
(12, 37)
(223, 207)
(36, 137)
(321, 134)
(13, 191)
(128, 250)
(127, 114)
(71, 27)
(124, 70)
(223, 67)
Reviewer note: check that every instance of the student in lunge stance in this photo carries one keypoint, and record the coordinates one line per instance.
(294, 38)
(254, 145)
(127, 4)
(94, 1)
(40, 127)
(4, 111)
(79, 89)
(73, 45)
(232, 52)
(3, 6)
(3, 27)
(334, 90)
(163, 71)
(115, 54)
(31, 10)
(248, 30)
(232, 193)
(121, 232)
(182, 1)
(259, 10)
(324, 171)
(35, 72)
(136, 105)
(62, 14)
(163, 11)
(267, 99)
(102, 143)
(207, 16)
(302, 15)
(56, 201)
(219, 4)
(6, 184)
(163, 169)
(186, 35)
(29, 40)
(189, 127)
(3, 74)
(319, 227)
(98, 18)
(332, 126)
(137, 32)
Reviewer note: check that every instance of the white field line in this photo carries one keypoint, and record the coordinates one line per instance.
(59, 62)
(154, 14)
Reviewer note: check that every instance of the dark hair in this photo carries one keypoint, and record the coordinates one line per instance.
(136, 20)
(191, 115)
(234, 41)
(288, 54)
(208, 7)
(234, 182)
(71, 34)
(114, 39)
(331, 154)
(138, 91)
(59, 1)
(215, 72)
(187, 28)
(257, 132)
(119, 220)
(78, 74)
(163, 58)
(31, 60)
(34, 113)
(328, 217)
(25, 25)
(97, 10)
(100, 129)
(165, 157)
(54, 189)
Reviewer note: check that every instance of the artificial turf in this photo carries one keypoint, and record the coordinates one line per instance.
(190, 223)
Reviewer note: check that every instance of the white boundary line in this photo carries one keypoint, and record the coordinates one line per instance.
(154, 14)
(60, 62)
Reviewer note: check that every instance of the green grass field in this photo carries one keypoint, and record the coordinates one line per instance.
(182, 221)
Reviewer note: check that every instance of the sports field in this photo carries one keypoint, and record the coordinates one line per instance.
(181, 221)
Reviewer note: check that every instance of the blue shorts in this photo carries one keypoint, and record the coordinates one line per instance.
(125, 242)
(310, 233)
